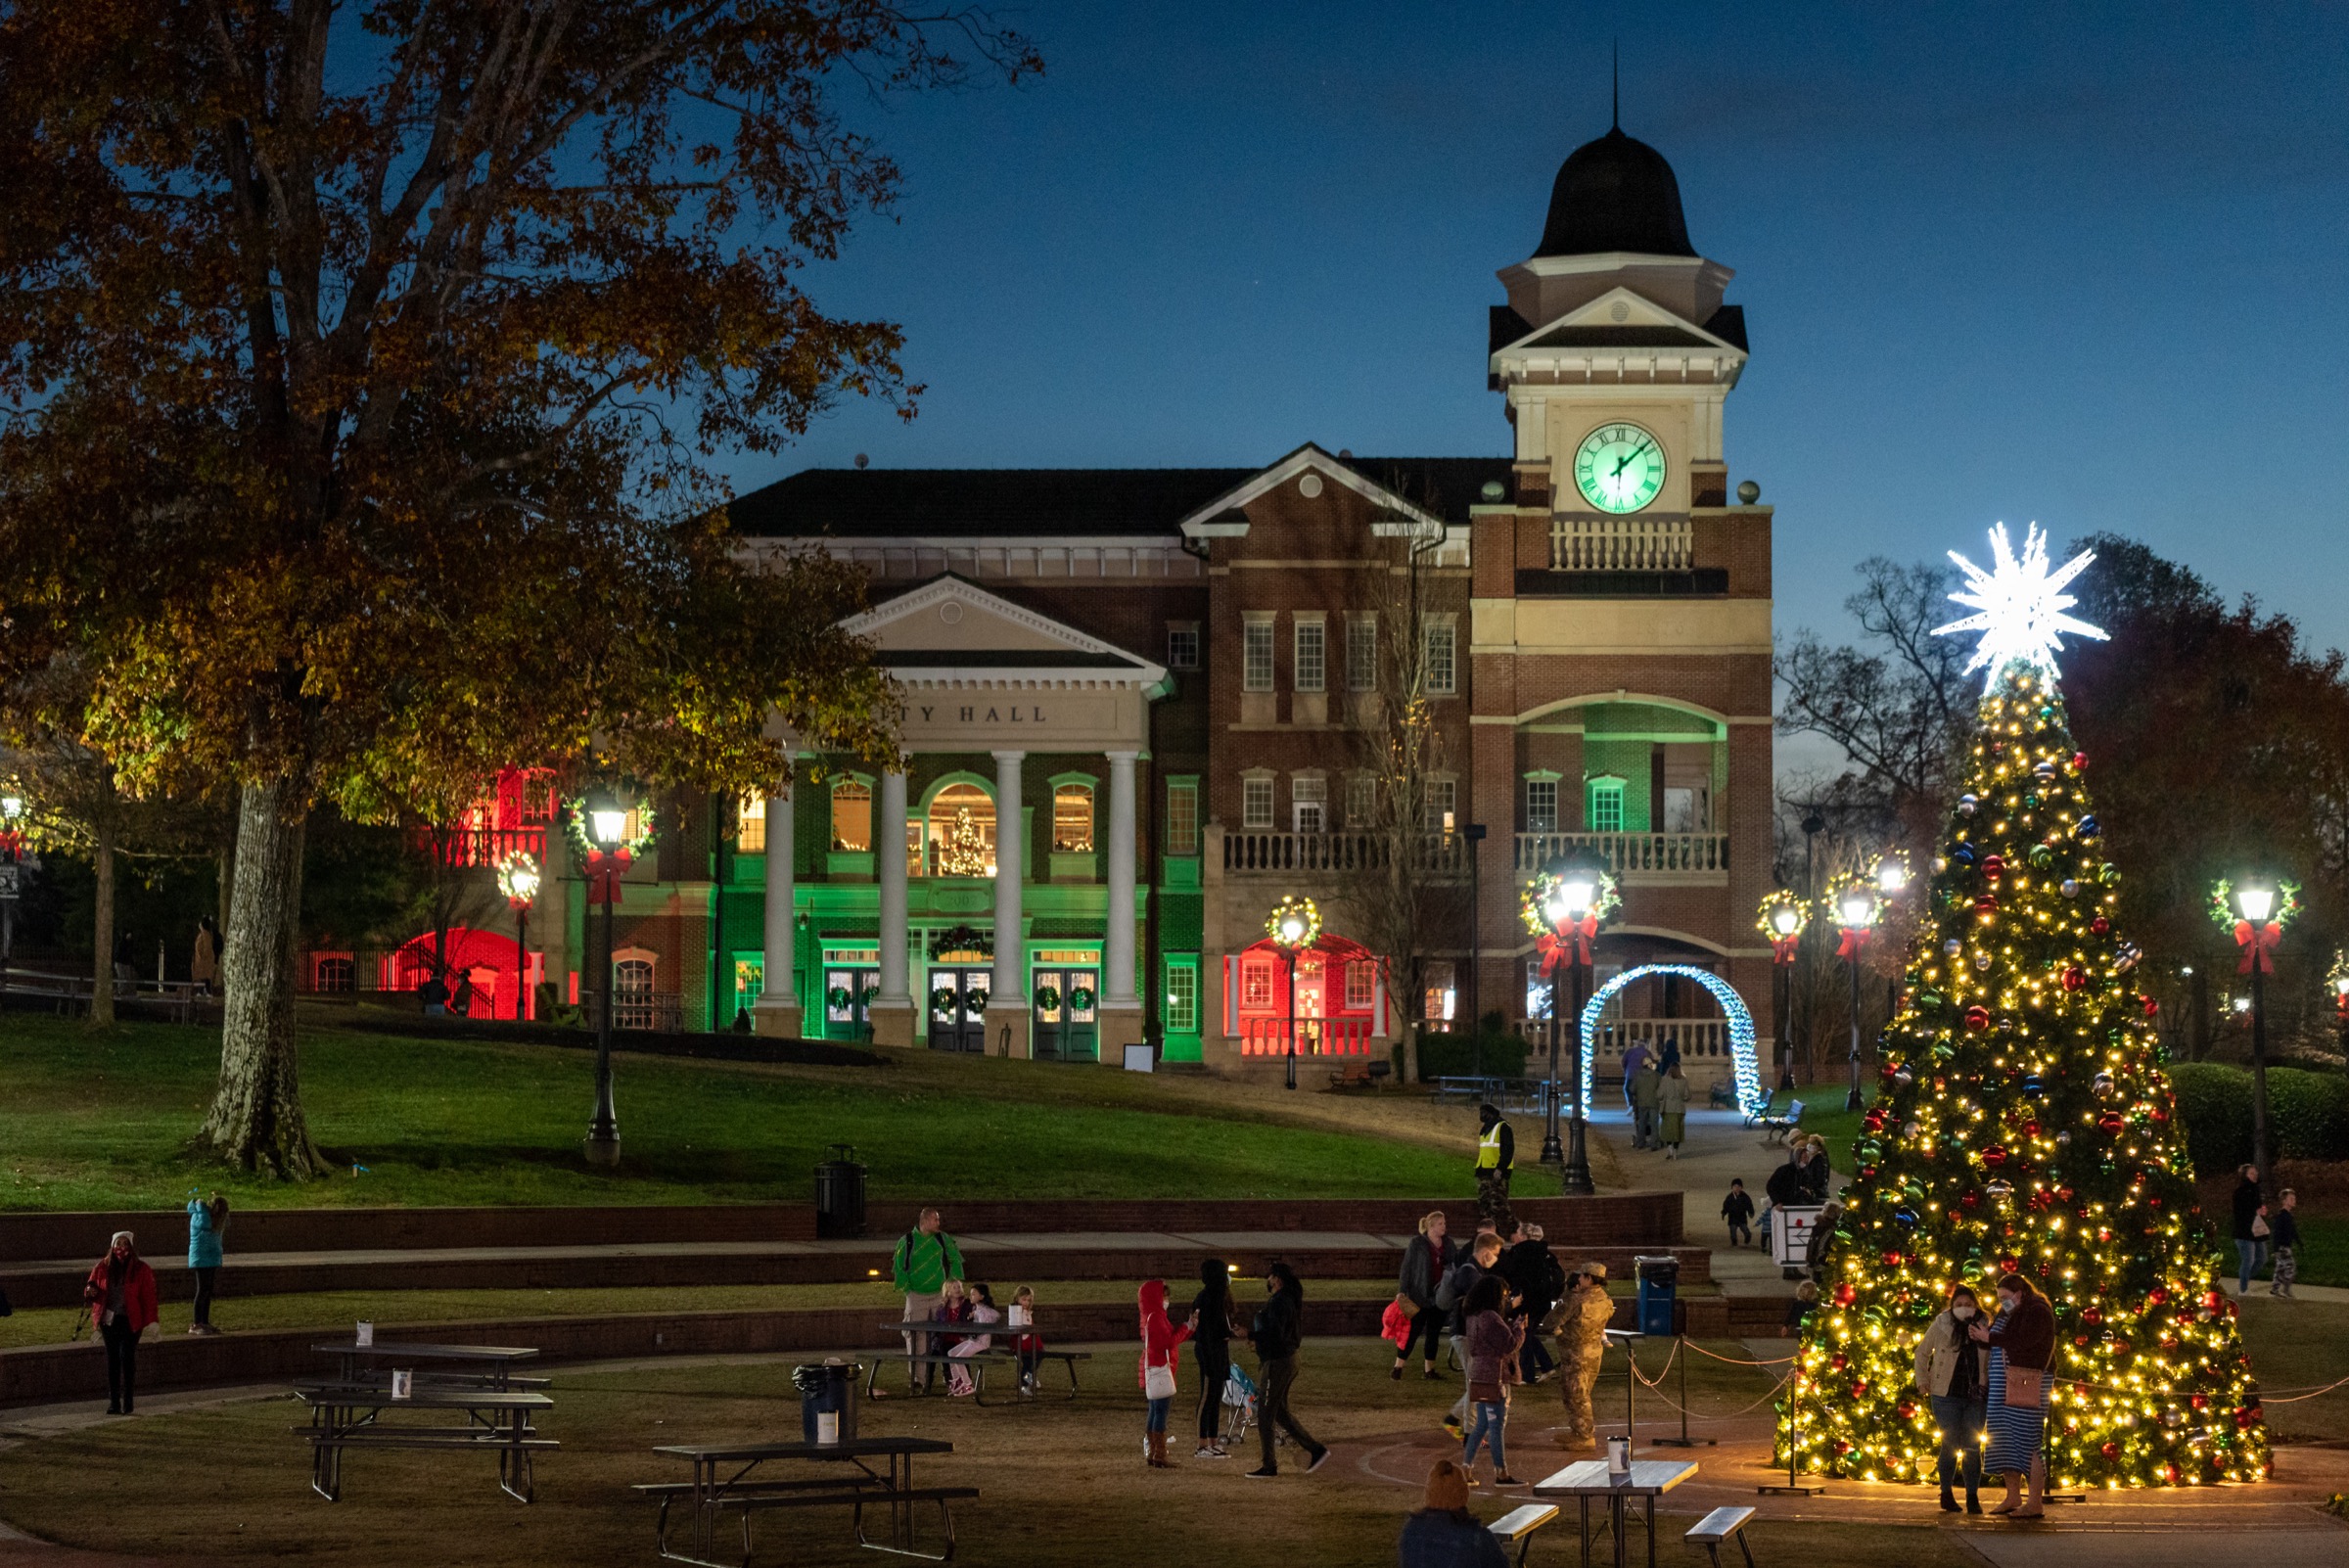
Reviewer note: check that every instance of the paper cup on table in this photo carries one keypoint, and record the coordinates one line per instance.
(1618, 1456)
(827, 1426)
(403, 1383)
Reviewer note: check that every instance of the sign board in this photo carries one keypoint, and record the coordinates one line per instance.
(10, 878)
(1790, 1232)
(1141, 1059)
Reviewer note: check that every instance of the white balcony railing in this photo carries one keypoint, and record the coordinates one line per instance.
(1621, 544)
(1248, 853)
(1631, 856)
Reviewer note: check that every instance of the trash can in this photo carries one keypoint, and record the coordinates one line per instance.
(1659, 1287)
(839, 1193)
(827, 1400)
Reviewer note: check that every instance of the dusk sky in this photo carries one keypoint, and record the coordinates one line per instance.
(2077, 263)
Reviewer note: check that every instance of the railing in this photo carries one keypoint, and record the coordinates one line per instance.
(1630, 855)
(663, 1010)
(1253, 853)
(1316, 1036)
(1621, 544)
(1699, 1037)
(470, 846)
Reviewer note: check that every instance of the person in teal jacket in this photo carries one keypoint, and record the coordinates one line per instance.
(924, 1259)
(207, 1218)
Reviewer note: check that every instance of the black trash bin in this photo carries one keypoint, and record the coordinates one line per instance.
(840, 1193)
(1659, 1286)
(828, 1388)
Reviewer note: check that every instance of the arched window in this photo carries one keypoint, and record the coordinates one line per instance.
(335, 973)
(1073, 819)
(851, 817)
(962, 832)
(634, 978)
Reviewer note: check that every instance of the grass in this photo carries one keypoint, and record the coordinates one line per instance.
(94, 1120)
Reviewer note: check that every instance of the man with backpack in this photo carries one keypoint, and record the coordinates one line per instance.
(1452, 1297)
(925, 1259)
(1535, 1274)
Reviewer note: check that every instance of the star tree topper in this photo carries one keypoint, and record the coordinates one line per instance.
(2020, 604)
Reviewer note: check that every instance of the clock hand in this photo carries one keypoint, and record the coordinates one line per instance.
(1628, 457)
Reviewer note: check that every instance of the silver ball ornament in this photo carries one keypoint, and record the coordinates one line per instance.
(2071, 887)
(1953, 947)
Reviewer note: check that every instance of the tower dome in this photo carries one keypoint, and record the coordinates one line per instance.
(1615, 194)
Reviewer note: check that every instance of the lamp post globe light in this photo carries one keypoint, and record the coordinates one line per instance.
(518, 879)
(2258, 907)
(11, 813)
(1854, 903)
(601, 828)
(1781, 919)
(1563, 908)
(1294, 925)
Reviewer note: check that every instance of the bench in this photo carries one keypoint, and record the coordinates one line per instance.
(1774, 1128)
(1361, 1071)
(1719, 1526)
(1517, 1526)
(975, 1365)
(857, 1491)
(1723, 1094)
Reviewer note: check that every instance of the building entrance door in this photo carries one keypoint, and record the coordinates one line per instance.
(958, 1009)
(1068, 1028)
(847, 993)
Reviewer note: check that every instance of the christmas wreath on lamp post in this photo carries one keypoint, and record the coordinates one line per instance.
(1562, 908)
(1294, 925)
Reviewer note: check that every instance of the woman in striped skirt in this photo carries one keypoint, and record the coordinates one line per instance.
(2022, 1348)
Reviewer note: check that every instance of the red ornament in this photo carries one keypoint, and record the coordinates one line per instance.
(2157, 1295)
(1845, 1295)
(2074, 978)
(1972, 1200)
(1892, 1259)
(1977, 1019)
(2079, 1339)
(1859, 1389)
(1986, 905)
(2243, 1418)
(2111, 1122)
(2200, 1402)
(1906, 1409)
(1838, 1361)
(2031, 1130)
(2100, 925)
(2152, 1008)
(2110, 1451)
(2169, 1473)
(2211, 1301)
(1993, 866)
(1995, 1155)
(2090, 1316)
(2079, 760)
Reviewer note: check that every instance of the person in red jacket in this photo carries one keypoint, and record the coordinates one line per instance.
(1160, 1341)
(120, 1292)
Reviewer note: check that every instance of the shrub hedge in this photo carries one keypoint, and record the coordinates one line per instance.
(2309, 1113)
(1449, 1055)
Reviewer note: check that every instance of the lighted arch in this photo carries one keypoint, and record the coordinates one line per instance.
(1751, 1096)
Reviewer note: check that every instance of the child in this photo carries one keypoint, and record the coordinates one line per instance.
(1492, 1341)
(1738, 1210)
(979, 1307)
(207, 1218)
(1161, 1339)
(1798, 1309)
(1030, 1347)
(2283, 1236)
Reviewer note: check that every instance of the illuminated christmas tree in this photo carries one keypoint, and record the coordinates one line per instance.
(2024, 1125)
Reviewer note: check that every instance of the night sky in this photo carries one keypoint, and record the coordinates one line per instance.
(2081, 263)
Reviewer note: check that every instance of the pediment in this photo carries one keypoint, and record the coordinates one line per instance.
(1224, 516)
(952, 625)
(1620, 318)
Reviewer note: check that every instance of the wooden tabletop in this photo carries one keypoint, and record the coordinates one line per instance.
(967, 1330)
(432, 1353)
(1591, 1478)
(844, 1448)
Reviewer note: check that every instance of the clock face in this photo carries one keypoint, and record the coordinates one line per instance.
(1619, 468)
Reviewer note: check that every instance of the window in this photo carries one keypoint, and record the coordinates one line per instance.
(1183, 817)
(1182, 1000)
(1541, 805)
(1309, 802)
(1182, 645)
(1312, 653)
(1440, 995)
(1256, 652)
(750, 825)
(1362, 986)
(333, 972)
(1442, 661)
(963, 829)
(1362, 653)
(1256, 801)
(1071, 818)
(853, 817)
(1680, 811)
(1256, 983)
(1603, 806)
(1442, 795)
(1362, 800)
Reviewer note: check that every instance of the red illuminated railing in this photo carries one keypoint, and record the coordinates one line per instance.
(1316, 1036)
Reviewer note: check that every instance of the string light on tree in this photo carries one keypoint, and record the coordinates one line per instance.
(2024, 1124)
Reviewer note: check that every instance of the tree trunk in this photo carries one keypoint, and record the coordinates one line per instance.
(255, 1121)
(102, 987)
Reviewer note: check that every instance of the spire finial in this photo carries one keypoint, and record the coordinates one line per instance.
(1618, 125)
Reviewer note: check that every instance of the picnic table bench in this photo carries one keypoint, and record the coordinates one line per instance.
(976, 1362)
(347, 1415)
(1359, 1072)
(713, 1491)
(1517, 1526)
(1719, 1526)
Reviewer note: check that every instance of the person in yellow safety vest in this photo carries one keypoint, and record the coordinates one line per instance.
(1496, 1159)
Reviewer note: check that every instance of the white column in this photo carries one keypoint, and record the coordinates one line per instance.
(777, 1010)
(1009, 991)
(890, 859)
(1117, 990)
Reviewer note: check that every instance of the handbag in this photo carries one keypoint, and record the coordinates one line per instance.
(2259, 1227)
(1158, 1382)
(2026, 1388)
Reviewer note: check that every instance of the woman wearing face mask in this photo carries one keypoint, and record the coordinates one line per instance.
(1952, 1372)
(2022, 1347)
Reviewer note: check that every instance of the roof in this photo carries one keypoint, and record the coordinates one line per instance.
(1615, 194)
(1044, 502)
(1002, 659)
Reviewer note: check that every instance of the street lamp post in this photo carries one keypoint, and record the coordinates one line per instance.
(1783, 920)
(1855, 904)
(608, 856)
(1294, 925)
(2264, 906)
(518, 880)
(1564, 906)
(12, 813)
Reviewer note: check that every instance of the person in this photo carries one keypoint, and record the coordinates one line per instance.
(1483, 1254)
(2250, 1249)
(978, 1307)
(2284, 1234)
(207, 1221)
(433, 995)
(2022, 1347)
(461, 1003)
(1444, 1534)
(1634, 1058)
(1738, 1210)
(925, 1259)
(1276, 1334)
(1671, 1110)
(1162, 1344)
(204, 966)
(1953, 1374)
(1425, 1262)
(1799, 1308)
(1211, 1347)
(1786, 1188)
(1536, 1280)
(1495, 1160)
(121, 1293)
(1643, 1106)
(1030, 1347)
(1583, 1320)
(1816, 1170)
(1493, 1342)
(1670, 1056)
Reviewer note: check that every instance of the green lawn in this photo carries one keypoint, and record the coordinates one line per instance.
(91, 1121)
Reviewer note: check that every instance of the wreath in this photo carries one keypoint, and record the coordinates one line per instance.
(962, 939)
(943, 1000)
(1766, 922)
(517, 877)
(1305, 912)
(839, 1000)
(1048, 997)
(1081, 998)
(1606, 900)
(2223, 910)
(574, 828)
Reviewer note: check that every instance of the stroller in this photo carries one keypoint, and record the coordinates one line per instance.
(1239, 1407)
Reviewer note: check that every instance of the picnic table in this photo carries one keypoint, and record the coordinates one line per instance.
(1587, 1479)
(346, 1417)
(976, 1362)
(724, 1476)
(484, 1366)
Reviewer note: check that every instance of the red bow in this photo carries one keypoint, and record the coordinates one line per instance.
(1574, 947)
(1854, 938)
(2259, 945)
(1781, 948)
(604, 872)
